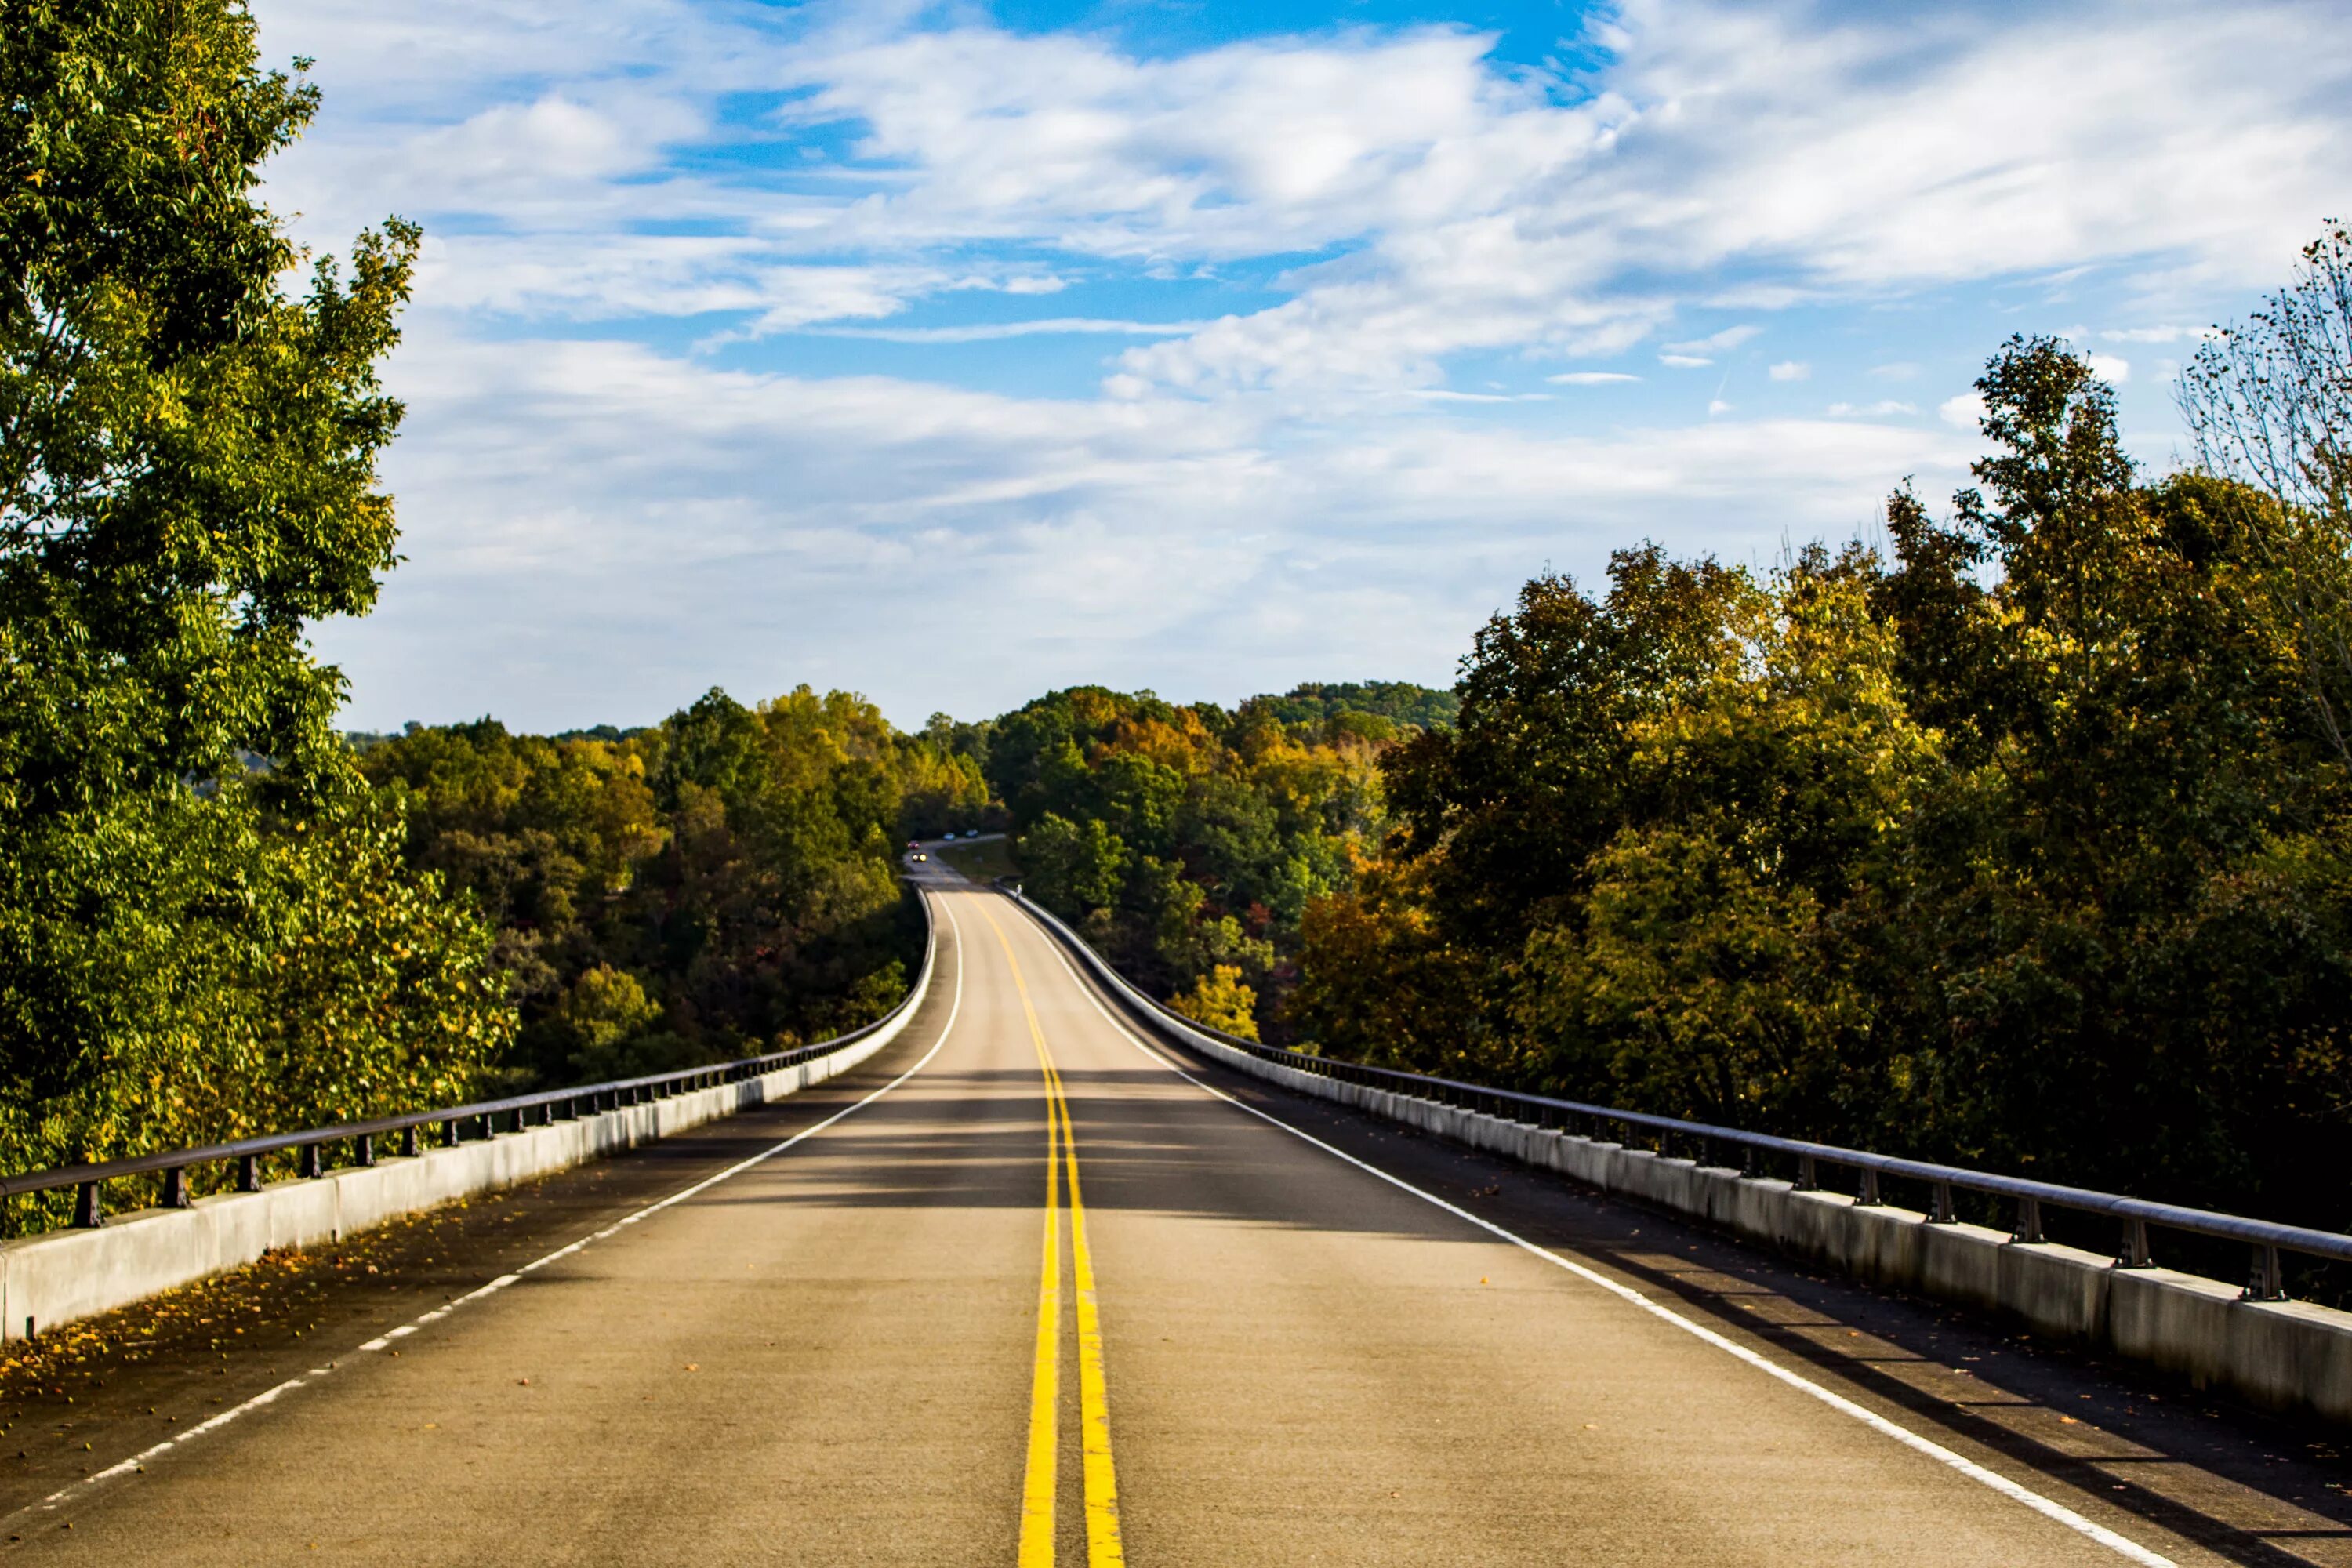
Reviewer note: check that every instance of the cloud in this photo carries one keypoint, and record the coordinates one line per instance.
(748, 529)
(1791, 370)
(2108, 368)
(1447, 202)
(1305, 237)
(1717, 406)
(1723, 341)
(1963, 412)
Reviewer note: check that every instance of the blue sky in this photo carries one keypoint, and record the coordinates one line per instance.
(955, 353)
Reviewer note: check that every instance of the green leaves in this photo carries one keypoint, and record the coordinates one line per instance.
(207, 927)
(2027, 848)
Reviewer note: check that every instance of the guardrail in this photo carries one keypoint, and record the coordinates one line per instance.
(2267, 1239)
(452, 1124)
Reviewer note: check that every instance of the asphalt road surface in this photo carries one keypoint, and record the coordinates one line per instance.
(1025, 1289)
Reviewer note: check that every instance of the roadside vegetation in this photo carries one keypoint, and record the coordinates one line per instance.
(207, 924)
(1187, 841)
(2025, 842)
(720, 885)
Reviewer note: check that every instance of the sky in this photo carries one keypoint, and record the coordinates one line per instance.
(956, 354)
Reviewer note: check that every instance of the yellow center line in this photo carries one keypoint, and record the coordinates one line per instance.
(1104, 1548)
(1045, 1384)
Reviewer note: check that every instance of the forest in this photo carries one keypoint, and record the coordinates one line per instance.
(1187, 842)
(2019, 842)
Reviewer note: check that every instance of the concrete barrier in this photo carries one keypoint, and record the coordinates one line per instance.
(46, 1280)
(2286, 1356)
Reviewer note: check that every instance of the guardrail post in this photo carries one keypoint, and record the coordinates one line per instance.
(311, 1165)
(1944, 1213)
(451, 1133)
(90, 1206)
(1869, 1198)
(1809, 1175)
(409, 1141)
(2267, 1283)
(249, 1173)
(2134, 1253)
(176, 1188)
(363, 1150)
(2028, 1222)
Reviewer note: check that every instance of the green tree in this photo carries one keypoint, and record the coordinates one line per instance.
(1073, 867)
(187, 478)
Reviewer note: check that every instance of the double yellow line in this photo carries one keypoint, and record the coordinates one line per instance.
(1037, 1491)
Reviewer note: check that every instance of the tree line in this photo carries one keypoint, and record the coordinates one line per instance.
(1187, 841)
(2023, 841)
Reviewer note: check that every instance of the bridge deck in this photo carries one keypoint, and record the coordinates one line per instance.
(831, 1355)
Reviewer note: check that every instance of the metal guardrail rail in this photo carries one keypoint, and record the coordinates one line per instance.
(2265, 1282)
(540, 1109)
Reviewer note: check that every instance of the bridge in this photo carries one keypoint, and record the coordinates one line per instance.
(1034, 1284)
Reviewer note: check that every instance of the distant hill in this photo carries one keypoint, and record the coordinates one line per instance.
(1315, 702)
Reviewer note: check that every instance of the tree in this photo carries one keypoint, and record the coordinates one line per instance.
(1073, 867)
(2269, 404)
(1220, 1000)
(187, 478)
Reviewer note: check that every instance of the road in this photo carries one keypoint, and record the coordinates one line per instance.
(1229, 1328)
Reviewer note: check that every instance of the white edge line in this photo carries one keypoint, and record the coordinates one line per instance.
(2046, 1507)
(138, 1461)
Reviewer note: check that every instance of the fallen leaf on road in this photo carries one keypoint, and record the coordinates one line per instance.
(694, 1366)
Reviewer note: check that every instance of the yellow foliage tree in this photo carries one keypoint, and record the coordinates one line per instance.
(1220, 1000)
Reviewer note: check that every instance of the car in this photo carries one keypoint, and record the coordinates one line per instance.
(914, 844)
(919, 855)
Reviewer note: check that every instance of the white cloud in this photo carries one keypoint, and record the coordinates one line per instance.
(1372, 206)
(1791, 370)
(1723, 341)
(1717, 406)
(2108, 368)
(749, 529)
(1466, 204)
